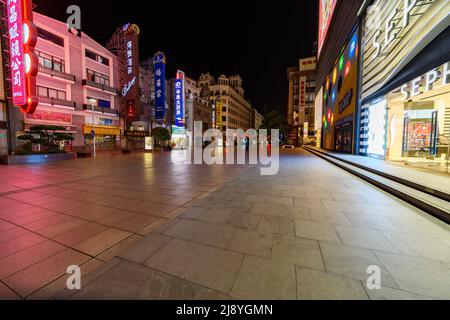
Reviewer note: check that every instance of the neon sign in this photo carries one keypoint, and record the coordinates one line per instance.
(326, 11)
(23, 61)
(179, 99)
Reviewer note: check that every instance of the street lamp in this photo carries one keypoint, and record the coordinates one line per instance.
(93, 127)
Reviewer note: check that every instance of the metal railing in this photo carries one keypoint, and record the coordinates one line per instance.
(56, 73)
(100, 109)
(99, 86)
(57, 102)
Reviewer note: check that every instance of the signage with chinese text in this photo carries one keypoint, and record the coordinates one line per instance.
(159, 63)
(23, 61)
(130, 64)
(179, 99)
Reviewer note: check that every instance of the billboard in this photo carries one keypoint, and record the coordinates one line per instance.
(130, 61)
(23, 61)
(326, 10)
(179, 99)
(159, 63)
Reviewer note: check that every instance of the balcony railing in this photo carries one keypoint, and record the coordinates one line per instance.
(56, 73)
(99, 86)
(100, 109)
(57, 102)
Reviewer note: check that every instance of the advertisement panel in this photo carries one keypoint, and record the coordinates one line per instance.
(326, 10)
(318, 110)
(159, 62)
(373, 129)
(339, 100)
(179, 99)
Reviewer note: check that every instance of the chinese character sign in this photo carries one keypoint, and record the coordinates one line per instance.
(159, 63)
(130, 66)
(179, 100)
(23, 62)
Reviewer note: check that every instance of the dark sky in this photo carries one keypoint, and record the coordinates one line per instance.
(258, 40)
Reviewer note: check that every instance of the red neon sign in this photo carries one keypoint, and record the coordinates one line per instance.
(23, 61)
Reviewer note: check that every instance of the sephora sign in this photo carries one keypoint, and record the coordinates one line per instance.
(23, 62)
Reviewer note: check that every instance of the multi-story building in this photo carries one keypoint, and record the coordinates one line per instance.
(202, 107)
(301, 108)
(76, 85)
(257, 119)
(232, 109)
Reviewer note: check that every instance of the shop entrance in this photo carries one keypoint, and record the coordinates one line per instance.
(344, 138)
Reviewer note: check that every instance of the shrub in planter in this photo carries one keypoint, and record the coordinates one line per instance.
(47, 137)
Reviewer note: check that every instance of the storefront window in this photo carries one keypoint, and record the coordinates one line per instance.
(419, 120)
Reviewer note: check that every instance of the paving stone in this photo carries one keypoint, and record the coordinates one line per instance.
(144, 248)
(262, 279)
(7, 294)
(131, 281)
(101, 242)
(27, 257)
(352, 262)
(36, 276)
(12, 246)
(215, 235)
(365, 238)
(299, 252)
(184, 229)
(208, 266)
(277, 225)
(252, 242)
(316, 231)
(317, 285)
(416, 275)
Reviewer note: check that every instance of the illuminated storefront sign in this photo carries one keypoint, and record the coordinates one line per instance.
(179, 99)
(50, 116)
(395, 31)
(432, 80)
(326, 10)
(219, 107)
(302, 107)
(130, 63)
(23, 61)
(159, 62)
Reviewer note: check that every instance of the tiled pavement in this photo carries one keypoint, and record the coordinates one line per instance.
(143, 227)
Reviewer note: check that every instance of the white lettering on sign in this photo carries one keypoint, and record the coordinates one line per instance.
(393, 26)
(427, 82)
(127, 87)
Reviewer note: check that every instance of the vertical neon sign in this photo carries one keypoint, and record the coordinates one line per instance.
(179, 99)
(23, 61)
(159, 62)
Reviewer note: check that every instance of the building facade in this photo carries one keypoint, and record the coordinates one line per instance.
(257, 119)
(76, 86)
(337, 76)
(232, 110)
(405, 83)
(301, 107)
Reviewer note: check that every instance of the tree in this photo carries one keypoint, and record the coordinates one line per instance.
(48, 137)
(161, 135)
(274, 120)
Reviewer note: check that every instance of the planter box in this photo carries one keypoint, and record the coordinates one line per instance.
(38, 158)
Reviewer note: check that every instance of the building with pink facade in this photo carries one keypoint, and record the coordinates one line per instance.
(77, 85)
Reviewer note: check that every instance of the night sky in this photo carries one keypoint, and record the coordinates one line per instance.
(258, 40)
